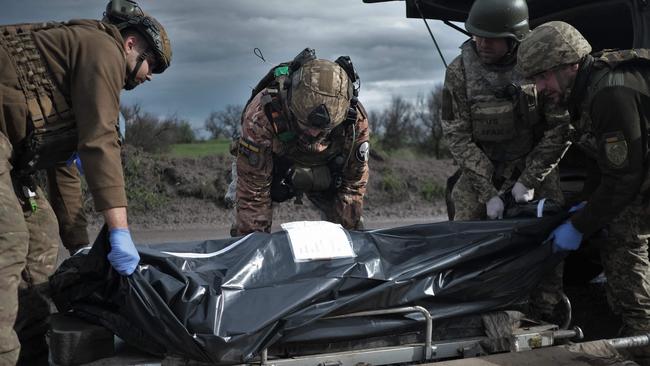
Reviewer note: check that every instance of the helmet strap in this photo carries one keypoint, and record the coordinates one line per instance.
(579, 87)
(131, 83)
(511, 55)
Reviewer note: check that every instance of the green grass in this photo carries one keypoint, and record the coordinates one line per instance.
(199, 149)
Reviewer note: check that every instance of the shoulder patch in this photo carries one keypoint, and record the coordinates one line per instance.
(616, 148)
(363, 152)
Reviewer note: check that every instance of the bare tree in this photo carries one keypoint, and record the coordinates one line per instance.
(130, 112)
(177, 129)
(397, 122)
(428, 112)
(375, 123)
(154, 134)
(224, 123)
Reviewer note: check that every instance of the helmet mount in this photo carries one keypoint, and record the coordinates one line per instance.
(127, 14)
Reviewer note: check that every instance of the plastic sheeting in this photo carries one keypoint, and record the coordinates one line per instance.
(223, 301)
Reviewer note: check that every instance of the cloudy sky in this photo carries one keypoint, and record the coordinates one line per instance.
(213, 41)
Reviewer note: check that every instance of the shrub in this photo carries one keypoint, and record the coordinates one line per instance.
(393, 185)
(431, 191)
(142, 177)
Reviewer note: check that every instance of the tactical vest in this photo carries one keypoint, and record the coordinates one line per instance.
(51, 127)
(605, 71)
(502, 114)
(307, 172)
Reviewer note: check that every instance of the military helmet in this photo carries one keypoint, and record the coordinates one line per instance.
(320, 94)
(498, 19)
(551, 45)
(127, 14)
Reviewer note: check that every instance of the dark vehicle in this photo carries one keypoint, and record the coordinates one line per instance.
(605, 23)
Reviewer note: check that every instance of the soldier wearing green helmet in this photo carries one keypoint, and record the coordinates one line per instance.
(303, 132)
(506, 144)
(608, 97)
(60, 87)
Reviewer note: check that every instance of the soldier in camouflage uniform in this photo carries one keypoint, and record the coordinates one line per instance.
(303, 132)
(60, 86)
(491, 122)
(495, 130)
(608, 97)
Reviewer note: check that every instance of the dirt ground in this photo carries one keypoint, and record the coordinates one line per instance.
(168, 193)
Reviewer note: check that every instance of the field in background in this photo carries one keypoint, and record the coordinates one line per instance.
(201, 149)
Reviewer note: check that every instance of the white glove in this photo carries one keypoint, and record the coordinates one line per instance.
(522, 194)
(494, 208)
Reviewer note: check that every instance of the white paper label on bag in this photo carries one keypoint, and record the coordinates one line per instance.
(318, 240)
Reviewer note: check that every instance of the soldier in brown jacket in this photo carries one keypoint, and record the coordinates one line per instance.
(303, 132)
(64, 194)
(60, 89)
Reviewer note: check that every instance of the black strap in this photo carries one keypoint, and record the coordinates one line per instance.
(130, 80)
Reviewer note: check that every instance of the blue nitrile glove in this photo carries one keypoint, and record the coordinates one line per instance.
(76, 160)
(123, 255)
(578, 207)
(566, 237)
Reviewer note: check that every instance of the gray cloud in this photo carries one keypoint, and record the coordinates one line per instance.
(213, 45)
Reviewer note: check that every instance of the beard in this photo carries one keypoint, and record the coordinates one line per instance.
(130, 84)
(313, 145)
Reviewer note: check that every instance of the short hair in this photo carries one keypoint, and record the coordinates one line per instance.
(132, 32)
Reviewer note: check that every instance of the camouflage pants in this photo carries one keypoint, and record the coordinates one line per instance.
(466, 200)
(28, 250)
(624, 255)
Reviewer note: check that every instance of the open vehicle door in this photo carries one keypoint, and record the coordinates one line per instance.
(605, 23)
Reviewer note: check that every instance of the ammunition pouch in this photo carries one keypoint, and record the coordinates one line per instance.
(51, 129)
(45, 148)
(513, 108)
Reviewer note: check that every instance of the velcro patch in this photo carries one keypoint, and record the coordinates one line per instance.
(250, 150)
(363, 152)
(616, 150)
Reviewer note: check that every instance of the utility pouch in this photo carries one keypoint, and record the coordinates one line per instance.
(312, 179)
(493, 121)
(53, 146)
